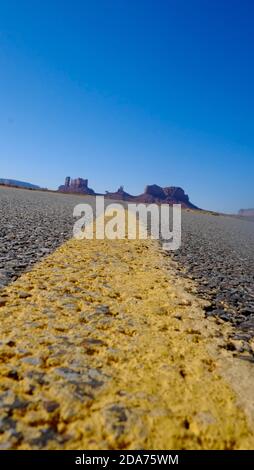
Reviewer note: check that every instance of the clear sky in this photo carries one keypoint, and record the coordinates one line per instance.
(130, 92)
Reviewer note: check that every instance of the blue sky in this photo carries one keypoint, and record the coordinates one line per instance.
(130, 92)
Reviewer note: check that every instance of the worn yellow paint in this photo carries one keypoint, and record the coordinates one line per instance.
(101, 348)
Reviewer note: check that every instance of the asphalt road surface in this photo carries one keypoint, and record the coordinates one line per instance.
(217, 252)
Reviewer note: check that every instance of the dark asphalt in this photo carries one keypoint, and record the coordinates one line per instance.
(217, 252)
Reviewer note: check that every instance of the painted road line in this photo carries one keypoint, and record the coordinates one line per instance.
(102, 348)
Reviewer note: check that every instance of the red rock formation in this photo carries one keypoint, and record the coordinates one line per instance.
(152, 194)
(78, 185)
(119, 195)
(155, 194)
(155, 191)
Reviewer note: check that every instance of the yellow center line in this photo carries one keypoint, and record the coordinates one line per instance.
(100, 349)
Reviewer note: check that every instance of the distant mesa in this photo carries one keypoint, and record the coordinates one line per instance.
(18, 184)
(120, 194)
(152, 194)
(77, 185)
(246, 212)
(156, 194)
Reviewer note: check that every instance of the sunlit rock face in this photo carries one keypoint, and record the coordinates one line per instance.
(76, 185)
(152, 193)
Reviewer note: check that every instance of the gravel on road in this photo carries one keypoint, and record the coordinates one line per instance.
(103, 342)
(32, 225)
(102, 348)
(217, 252)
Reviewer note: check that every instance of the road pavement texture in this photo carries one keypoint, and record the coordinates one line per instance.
(104, 346)
(32, 225)
(217, 252)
